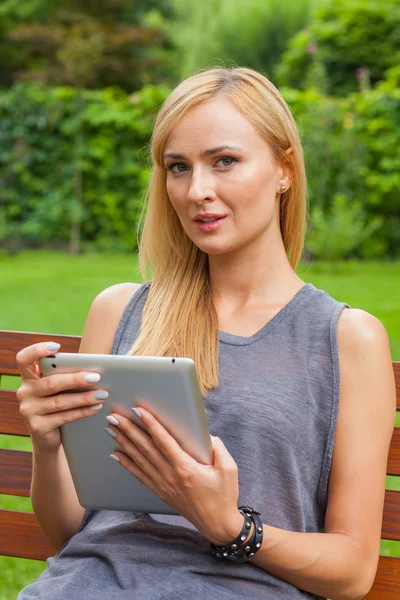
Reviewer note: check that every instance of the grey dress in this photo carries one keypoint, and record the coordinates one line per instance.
(276, 411)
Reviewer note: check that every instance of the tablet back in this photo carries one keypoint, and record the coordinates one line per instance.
(168, 387)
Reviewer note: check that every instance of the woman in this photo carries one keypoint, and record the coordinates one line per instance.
(223, 234)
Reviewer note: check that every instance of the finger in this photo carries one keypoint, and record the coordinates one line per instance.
(41, 426)
(140, 447)
(62, 382)
(222, 458)
(27, 357)
(166, 443)
(64, 402)
(134, 470)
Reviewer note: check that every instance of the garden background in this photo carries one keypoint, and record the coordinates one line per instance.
(80, 86)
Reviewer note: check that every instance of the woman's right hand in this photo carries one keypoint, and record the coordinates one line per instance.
(41, 404)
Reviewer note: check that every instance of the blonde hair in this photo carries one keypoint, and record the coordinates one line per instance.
(179, 317)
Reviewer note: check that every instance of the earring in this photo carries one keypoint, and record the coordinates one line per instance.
(283, 188)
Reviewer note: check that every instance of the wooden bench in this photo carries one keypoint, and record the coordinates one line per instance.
(20, 533)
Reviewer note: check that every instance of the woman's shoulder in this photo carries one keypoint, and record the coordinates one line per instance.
(104, 315)
(365, 356)
(116, 295)
(111, 302)
(358, 330)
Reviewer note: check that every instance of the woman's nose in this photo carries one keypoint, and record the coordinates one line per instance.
(201, 187)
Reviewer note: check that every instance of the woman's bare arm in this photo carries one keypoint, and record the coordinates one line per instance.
(341, 563)
(53, 495)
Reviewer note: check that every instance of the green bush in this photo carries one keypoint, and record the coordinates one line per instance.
(351, 149)
(354, 41)
(376, 125)
(68, 156)
(67, 153)
(334, 234)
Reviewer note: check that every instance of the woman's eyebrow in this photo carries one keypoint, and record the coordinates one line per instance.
(205, 153)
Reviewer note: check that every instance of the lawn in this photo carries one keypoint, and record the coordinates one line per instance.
(52, 292)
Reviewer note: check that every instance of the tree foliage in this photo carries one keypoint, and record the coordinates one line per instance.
(73, 136)
(254, 33)
(83, 43)
(351, 43)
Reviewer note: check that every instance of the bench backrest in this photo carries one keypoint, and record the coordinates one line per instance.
(20, 533)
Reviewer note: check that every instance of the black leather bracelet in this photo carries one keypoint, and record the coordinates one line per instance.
(237, 542)
(248, 550)
(240, 550)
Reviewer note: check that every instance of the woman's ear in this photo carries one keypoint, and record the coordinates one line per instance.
(286, 168)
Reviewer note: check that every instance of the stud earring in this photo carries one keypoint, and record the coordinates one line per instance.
(283, 188)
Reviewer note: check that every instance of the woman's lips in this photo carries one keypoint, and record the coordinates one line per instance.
(212, 225)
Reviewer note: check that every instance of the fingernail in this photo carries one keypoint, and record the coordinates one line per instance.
(96, 407)
(115, 457)
(112, 420)
(101, 395)
(53, 346)
(92, 377)
(136, 413)
(110, 432)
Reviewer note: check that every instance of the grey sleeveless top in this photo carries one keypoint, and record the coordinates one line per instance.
(276, 410)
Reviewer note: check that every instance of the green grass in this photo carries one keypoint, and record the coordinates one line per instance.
(51, 292)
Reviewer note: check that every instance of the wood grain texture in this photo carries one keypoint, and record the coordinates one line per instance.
(11, 422)
(22, 536)
(391, 516)
(387, 581)
(15, 472)
(393, 467)
(12, 342)
(396, 368)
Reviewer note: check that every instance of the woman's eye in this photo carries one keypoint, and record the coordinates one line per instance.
(229, 158)
(176, 167)
(172, 167)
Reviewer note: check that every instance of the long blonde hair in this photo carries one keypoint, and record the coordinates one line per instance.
(179, 317)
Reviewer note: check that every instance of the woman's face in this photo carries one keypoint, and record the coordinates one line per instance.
(217, 163)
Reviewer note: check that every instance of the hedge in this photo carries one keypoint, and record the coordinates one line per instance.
(68, 153)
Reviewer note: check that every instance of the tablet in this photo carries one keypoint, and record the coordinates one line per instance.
(167, 386)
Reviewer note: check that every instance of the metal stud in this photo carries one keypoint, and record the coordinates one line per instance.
(225, 554)
(248, 525)
(243, 537)
(258, 545)
(247, 549)
(259, 529)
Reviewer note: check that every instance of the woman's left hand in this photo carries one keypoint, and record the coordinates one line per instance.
(206, 495)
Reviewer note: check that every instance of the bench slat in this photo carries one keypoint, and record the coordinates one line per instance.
(387, 581)
(22, 536)
(393, 467)
(15, 472)
(11, 422)
(396, 368)
(12, 342)
(391, 516)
